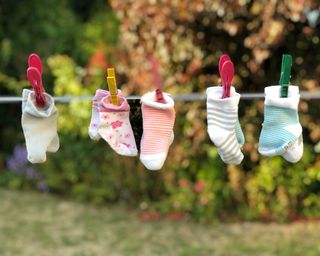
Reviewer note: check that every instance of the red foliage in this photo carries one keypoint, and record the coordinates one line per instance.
(184, 183)
(99, 59)
(176, 216)
(199, 186)
(150, 216)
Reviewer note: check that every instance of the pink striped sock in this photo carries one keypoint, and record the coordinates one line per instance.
(158, 121)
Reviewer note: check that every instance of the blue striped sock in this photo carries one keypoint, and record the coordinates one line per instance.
(275, 138)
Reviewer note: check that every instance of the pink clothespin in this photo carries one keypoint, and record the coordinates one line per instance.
(159, 96)
(226, 70)
(34, 74)
(157, 80)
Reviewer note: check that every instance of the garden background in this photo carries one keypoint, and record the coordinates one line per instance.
(78, 39)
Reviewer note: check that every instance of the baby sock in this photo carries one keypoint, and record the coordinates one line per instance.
(95, 118)
(158, 121)
(39, 127)
(281, 132)
(115, 127)
(223, 124)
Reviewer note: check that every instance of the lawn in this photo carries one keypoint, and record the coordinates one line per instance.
(39, 224)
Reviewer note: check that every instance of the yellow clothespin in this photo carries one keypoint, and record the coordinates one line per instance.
(112, 84)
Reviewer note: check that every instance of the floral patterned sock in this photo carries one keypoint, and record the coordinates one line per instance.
(115, 127)
(95, 118)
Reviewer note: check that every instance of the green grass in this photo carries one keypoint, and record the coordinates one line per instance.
(38, 224)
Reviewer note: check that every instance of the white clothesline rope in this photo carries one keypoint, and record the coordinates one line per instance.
(179, 97)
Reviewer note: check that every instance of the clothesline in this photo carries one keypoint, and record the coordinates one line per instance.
(309, 95)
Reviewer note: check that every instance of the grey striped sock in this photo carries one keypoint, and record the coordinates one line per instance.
(222, 117)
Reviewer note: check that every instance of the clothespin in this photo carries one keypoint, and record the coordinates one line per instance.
(285, 74)
(112, 85)
(157, 80)
(226, 70)
(159, 96)
(34, 75)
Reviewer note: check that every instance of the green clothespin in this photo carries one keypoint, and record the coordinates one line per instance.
(285, 74)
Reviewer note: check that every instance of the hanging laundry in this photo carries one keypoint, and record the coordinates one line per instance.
(158, 122)
(115, 127)
(158, 117)
(282, 132)
(222, 115)
(39, 115)
(110, 119)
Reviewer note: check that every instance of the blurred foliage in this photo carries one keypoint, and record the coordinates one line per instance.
(187, 39)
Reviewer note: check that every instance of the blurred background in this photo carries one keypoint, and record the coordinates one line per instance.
(77, 40)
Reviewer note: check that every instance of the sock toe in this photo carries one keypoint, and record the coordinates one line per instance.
(153, 162)
(54, 145)
(125, 150)
(94, 135)
(294, 153)
(37, 158)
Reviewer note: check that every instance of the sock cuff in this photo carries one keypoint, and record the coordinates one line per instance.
(29, 106)
(275, 90)
(214, 96)
(107, 106)
(100, 93)
(273, 97)
(149, 99)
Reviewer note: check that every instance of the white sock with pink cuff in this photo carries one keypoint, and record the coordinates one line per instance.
(158, 122)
